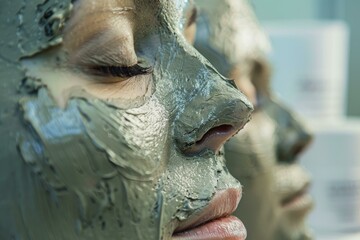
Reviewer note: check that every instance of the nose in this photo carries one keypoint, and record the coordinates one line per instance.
(292, 135)
(211, 119)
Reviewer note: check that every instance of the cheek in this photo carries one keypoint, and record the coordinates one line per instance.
(246, 86)
(65, 83)
(133, 139)
(252, 151)
(124, 94)
(102, 156)
(190, 33)
(188, 186)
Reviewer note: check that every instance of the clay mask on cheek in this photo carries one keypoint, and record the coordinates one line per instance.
(106, 170)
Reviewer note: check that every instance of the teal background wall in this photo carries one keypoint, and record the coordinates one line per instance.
(284, 9)
(350, 13)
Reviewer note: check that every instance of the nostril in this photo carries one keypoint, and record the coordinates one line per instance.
(220, 130)
(297, 149)
(301, 146)
(212, 140)
(291, 154)
(204, 130)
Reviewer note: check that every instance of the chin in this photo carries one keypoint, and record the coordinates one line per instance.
(298, 233)
(293, 227)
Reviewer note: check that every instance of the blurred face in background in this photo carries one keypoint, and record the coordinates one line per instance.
(262, 156)
(101, 127)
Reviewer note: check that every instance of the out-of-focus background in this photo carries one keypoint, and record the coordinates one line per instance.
(343, 11)
(316, 66)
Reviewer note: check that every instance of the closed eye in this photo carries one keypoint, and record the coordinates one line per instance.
(121, 71)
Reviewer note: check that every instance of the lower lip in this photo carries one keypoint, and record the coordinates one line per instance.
(230, 228)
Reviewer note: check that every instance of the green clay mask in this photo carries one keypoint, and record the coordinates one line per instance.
(103, 133)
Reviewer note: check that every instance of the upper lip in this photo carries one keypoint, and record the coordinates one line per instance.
(222, 205)
(292, 181)
(291, 195)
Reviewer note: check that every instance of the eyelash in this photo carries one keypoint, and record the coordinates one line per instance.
(121, 71)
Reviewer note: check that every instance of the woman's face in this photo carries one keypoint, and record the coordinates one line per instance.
(263, 155)
(121, 128)
(263, 159)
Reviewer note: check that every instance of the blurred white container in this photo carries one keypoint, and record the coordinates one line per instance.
(310, 66)
(334, 162)
(349, 236)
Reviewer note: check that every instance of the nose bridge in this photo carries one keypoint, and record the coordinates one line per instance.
(210, 86)
(198, 99)
(292, 134)
(218, 103)
(194, 81)
(211, 101)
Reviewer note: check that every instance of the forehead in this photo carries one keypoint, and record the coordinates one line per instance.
(29, 24)
(172, 10)
(86, 8)
(143, 16)
(88, 12)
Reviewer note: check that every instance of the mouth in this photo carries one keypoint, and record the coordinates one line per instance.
(298, 201)
(214, 222)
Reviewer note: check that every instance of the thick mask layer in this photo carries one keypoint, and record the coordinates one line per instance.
(26, 27)
(103, 180)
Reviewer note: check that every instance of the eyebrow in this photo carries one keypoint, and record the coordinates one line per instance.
(113, 10)
(120, 10)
